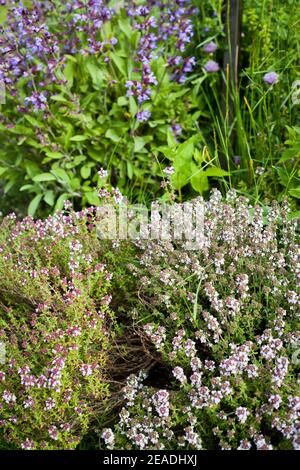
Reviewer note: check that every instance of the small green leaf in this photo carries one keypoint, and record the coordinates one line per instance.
(44, 177)
(129, 169)
(28, 187)
(54, 155)
(79, 138)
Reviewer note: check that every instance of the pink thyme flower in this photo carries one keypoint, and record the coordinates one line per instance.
(242, 414)
(53, 433)
(179, 374)
(103, 173)
(27, 444)
(169, 170)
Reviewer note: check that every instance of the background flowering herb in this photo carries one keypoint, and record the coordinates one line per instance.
(86, 86)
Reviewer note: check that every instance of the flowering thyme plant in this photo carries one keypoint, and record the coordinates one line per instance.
(55, 324)
(225, 320)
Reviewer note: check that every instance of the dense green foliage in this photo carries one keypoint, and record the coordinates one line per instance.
(52, 153)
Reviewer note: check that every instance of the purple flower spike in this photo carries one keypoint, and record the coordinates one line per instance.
(211, 66)
(143, 115)
(210, 47)
(270, 78)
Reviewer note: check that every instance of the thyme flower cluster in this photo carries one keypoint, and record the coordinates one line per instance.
(225, 320)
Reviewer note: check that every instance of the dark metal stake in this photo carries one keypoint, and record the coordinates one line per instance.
(233, 25)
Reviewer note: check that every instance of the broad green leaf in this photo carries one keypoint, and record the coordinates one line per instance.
(95, 155)
(60, 201)
(85, 171)
(34, 204)
(96, 74)
(215, 171)
(119, 62)
(92, 198)
(185, 151)
(139, 143)
(75, 184)
(112, 135)
(199, 179)
(166, 151)
(61, 175)
(124, 25)
(32, 168)
(49, 197)
(171, 139)
(34, 122)
(122, 101)
(181, 176)
(132, 106)
(69, 73)
(295, 192)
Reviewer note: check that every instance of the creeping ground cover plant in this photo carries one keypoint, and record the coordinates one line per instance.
(211, 331)
(225, 319)
(55, 324)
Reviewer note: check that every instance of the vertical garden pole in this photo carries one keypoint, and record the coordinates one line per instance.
(233, 25)
(233, 34)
